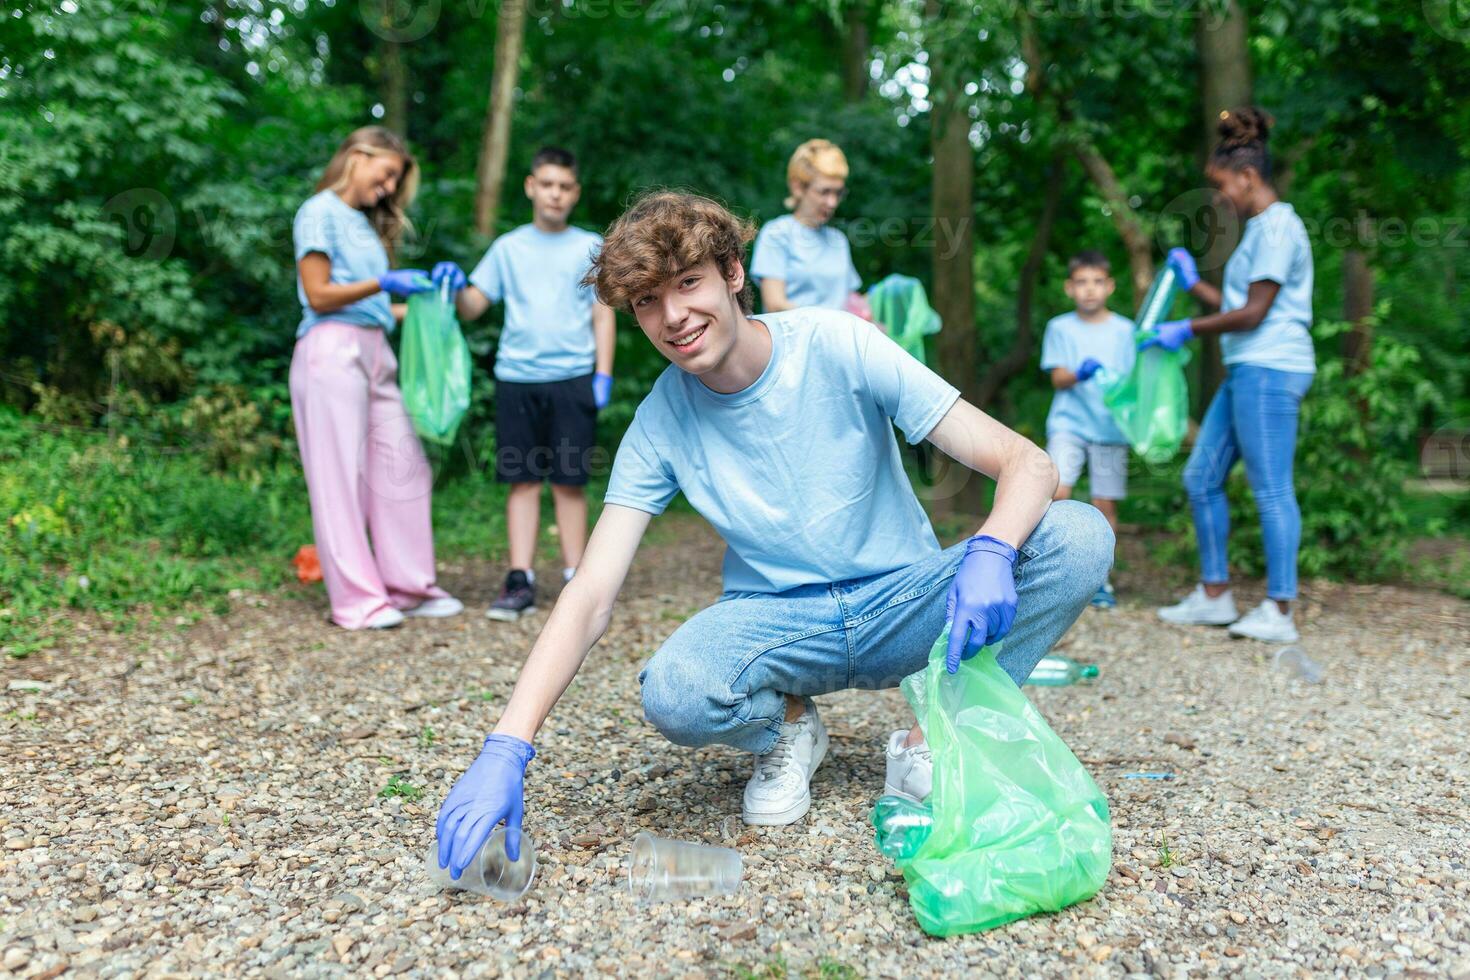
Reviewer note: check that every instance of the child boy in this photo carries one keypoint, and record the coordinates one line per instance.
(779, 431)
(553, 369)
(1079, 429)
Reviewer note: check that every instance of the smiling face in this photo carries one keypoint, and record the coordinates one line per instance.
(375, 178)
(817, 200)
(1089, 287)
(553, 191)
(693, 317)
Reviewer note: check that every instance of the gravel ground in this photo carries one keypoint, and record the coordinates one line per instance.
(206, 799)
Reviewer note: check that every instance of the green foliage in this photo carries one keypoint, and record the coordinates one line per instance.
(400, 787)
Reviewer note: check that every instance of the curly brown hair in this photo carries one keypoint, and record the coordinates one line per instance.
(661, 235)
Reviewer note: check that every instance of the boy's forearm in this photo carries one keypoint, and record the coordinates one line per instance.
(575, 624)
(1023, 491)
(604, 334)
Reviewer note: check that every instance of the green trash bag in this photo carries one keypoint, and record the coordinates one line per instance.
(1151, 402)
(900, 304)
(434, 366)
(1013, 826)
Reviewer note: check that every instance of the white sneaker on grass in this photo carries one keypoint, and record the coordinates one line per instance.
(384, 619)
(779, 792)
(1266, 622)
(441, 608)
(1198, 609)
(910, 770)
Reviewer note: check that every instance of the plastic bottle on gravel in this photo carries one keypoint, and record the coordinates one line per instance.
(1054, 671)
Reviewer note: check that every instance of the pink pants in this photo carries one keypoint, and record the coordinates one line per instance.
(365, 473)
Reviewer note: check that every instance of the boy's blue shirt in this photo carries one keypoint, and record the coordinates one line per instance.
(1079, 410)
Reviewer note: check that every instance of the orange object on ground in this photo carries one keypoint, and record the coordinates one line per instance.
(308, 568)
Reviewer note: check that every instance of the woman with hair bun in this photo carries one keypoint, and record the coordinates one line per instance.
(1265, 315)
(800, 259)
(365, 468)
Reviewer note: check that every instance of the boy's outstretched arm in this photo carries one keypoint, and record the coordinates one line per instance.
(982, 598)
(492, 789)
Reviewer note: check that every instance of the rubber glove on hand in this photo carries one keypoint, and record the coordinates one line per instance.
(1184, 268)
(1087, 369)
(601, 390)
(492, 789)
(405, 282)
(1170, 335)
(982, 600)
(450, 271)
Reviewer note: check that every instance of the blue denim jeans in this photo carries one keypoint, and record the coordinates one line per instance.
(724, 674)
(1252, 417)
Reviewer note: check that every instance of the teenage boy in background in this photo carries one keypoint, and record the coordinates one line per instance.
(1079, 429)
(779, 430)
(553, 369)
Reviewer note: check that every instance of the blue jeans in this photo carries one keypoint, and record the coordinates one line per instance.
(1252, 417)
(724, 674)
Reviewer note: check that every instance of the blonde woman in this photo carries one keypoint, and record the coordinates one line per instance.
(365, 470)
(800, 260)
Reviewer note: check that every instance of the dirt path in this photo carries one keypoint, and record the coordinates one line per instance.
(206, 800)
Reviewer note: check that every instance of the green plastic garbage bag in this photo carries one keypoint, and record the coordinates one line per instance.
(1016, 826)
(901, 305)
(1151, 402)
(434, 366)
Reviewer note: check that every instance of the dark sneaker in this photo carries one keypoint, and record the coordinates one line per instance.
(516, 599)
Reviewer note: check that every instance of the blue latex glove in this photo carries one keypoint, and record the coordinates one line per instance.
(982, 600)
(1170, 335)
(492, 789)
(601, 389)
(450, 271)
(405, 282)
(1184, 268)
(1087, 369)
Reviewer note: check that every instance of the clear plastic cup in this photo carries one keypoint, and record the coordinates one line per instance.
(661, 870)
(491, 873)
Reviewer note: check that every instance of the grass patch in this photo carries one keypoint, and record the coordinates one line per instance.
(400, 787)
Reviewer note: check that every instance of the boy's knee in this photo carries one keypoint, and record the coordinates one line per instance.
(675, 703)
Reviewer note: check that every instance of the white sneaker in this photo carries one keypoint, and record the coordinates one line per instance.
(1266, 622)
(384, 619)
(780, 792)
(1198, 609)
(440, 608)
(910, 768)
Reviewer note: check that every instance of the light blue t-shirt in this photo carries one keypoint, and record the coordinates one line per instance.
(548, 312)
(328, 224)
(1079, 410)
(1273, 246)
(799, 472)
(815, 263)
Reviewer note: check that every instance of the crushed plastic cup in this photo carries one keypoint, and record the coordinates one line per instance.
(1294, 662)
(491, 873)
(661, 870)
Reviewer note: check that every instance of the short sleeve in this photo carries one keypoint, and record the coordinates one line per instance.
(640, 477)
(909, 393)
(1274, 255)
(489, 275)
(772, 258)
(314, 230)
(1054, 352)
(594, 245)
(854, 281)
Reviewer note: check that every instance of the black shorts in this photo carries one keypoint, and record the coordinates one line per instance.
(545, 431)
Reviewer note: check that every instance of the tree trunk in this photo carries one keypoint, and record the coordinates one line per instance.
(1357, 306)
(1225, 83)
(1015, 360)
(495, 143)
(855, 50)
(953, 297)
(1125, 219)
(394, 82)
